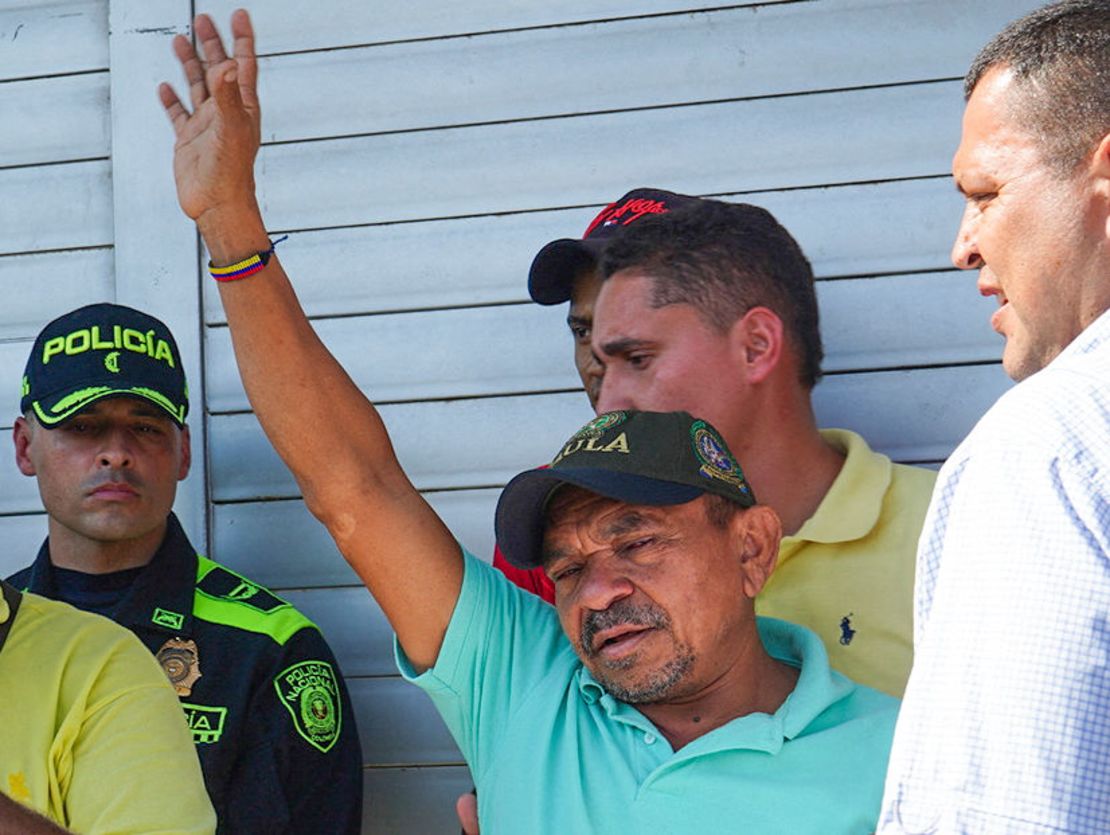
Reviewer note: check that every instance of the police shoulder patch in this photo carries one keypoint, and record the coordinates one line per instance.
(310, 692)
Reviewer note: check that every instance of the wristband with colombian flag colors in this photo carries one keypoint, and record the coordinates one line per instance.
(248, 266)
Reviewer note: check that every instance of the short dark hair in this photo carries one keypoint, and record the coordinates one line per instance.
(719, 510)
(1060, 55)
(724, 259)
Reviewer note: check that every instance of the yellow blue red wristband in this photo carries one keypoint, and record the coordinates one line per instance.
(248, 266)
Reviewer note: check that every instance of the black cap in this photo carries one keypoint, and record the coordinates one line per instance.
(556, 265)
(652, 458)
(98, 351)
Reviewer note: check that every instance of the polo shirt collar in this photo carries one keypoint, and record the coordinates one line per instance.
(818, 688)
(160, 599)
(851, 508)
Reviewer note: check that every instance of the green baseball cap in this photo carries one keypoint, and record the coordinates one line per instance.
(651, 458)
(98, 351)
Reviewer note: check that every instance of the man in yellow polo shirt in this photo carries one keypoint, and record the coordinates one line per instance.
(710, 307)
(93, 739)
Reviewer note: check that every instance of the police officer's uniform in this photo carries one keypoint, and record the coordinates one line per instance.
(261, 690)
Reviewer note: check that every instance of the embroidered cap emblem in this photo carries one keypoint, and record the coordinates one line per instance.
(111, 361)
(311, 695)
(181, 663)
(716, 462)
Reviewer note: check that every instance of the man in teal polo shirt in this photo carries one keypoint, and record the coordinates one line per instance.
(671, 708)
(649, 699)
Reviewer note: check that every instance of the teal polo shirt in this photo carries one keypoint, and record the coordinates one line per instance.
(551, 751)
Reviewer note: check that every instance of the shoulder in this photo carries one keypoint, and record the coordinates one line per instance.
(82, 645)
(229, 599)
(1061, 413)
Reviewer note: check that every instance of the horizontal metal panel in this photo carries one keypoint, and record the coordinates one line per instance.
(50, 38)
(462, 443)
(862, 135)
(55, 207)
(412, 801)
(55, 119)
(905, 225)
(22, 537)
(38, 288)
(354, 626)
(398, 724)
(892, 322)
(870, 323)
(281, 545)
(915, 415)
(725, 54)
(911, 415)
(18, 493)
(282, 26)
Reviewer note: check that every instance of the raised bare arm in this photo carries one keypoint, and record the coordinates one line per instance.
(322, 426)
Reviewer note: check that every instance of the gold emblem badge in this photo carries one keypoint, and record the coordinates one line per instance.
(181, 663)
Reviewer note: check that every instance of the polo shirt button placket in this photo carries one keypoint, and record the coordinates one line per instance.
(649, 738)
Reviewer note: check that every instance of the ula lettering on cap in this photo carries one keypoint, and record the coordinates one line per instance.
(589, 444)
(90, 339)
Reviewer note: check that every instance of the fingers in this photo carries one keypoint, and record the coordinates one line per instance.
(242, 33)
(209, 39)
(193, 69)
(175, 110)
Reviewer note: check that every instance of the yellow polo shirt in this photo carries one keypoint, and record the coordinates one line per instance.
(848, 573)
(91, 733)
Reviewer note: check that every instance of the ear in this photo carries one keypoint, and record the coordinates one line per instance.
(1100, 167)
(186, 455)
(758, 531)
(757, 339)
(21, 436)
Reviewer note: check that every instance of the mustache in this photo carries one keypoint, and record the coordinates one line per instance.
(117, 476)
(620, 613)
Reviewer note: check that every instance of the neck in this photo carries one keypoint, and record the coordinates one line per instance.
(784, 457)
(69, 549)
(757, 684)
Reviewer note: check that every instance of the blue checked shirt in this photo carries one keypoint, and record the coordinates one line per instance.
(1005, 727)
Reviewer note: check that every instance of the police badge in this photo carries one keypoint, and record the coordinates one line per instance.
(180, 662)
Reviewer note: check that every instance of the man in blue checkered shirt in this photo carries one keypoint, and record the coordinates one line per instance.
(1005, 726)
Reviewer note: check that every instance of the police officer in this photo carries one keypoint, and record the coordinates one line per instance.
(103, 430)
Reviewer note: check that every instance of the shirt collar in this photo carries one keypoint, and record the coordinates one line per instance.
(851, 508)
(817, 688)
(161, 598)
(1094, 335)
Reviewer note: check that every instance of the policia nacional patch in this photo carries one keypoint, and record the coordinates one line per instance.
(310, 693)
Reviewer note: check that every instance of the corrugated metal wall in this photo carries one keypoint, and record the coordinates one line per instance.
(420, 154)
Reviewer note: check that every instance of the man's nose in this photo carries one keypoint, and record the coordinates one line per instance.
(613, 394)
(115, 450)
(602, 585)
(965, 250)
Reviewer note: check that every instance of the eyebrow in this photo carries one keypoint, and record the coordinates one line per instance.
(623, 345)
(573, 320)
(630, 520)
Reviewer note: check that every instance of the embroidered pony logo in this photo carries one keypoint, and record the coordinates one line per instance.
(846, 630)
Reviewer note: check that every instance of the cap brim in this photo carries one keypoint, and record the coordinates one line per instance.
(45, 409)
(521, 509)
(551, 277)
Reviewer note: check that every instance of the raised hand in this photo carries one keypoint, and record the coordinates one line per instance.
(217, 143)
